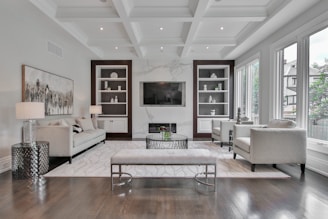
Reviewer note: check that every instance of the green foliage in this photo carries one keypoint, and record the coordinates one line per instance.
(318, 96)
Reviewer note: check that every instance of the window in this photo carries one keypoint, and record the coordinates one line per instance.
(318, 86)
(247, 90)
(287, 69)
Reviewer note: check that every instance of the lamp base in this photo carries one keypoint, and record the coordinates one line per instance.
(29, 132)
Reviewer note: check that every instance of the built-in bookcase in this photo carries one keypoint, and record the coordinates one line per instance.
(213, 94)
(111, 88)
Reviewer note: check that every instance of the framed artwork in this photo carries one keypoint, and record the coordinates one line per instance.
(55, 91)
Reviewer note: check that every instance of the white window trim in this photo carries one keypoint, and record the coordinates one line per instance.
(246, 65)
(301, 37)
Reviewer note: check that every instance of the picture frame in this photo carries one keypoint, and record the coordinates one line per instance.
(54, 90)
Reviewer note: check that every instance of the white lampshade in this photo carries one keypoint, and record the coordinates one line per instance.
(30, 110)
(95, 109)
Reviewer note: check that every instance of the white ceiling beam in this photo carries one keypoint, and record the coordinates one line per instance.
(87, 14)
(247, 14)
(201, 8)
(133, 35)
(220, 41)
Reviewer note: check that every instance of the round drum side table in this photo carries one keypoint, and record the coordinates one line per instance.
(29, 161)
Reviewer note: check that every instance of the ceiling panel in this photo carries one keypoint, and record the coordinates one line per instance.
(191, 28)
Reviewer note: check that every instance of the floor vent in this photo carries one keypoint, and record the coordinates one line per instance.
(54, 49)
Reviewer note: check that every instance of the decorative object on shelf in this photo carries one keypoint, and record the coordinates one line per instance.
(105, 85)
(213, 75)
(214, 101)
(116, 99)
(112, 100)
(213, 112)
(114, 75)
(219, 86)
(238, 116)
(40, 86)
(108, 88)
(244, 119)
(205, 86)
(210, 99)
(119, 87)
(216, 88)
(29, 112)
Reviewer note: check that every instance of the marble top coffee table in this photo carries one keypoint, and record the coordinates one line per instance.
(159, 141)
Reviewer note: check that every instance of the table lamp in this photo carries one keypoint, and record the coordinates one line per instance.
(29, 112)
(95, 110)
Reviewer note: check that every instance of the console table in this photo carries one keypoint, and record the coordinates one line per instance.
(29, 161)
(175, 141)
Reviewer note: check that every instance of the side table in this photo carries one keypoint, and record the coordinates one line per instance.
(30, 161)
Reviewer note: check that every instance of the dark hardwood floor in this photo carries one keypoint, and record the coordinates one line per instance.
(297, 197)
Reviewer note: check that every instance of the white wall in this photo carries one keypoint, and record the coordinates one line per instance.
(25, 32)
(161, 70)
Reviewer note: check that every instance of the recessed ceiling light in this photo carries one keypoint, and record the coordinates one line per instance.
(162, 48)
(116, 47)
(207, 47)
(101, 28)
(161, 28)
(221, 28)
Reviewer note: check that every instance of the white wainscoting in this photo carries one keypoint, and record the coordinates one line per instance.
(317, 158)
(5, 164)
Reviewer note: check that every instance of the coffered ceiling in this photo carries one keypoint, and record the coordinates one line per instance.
(191, 29)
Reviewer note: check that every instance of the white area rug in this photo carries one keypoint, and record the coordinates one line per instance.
(96, 163)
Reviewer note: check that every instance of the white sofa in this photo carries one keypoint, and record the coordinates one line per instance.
(69, 136)
(277, 143)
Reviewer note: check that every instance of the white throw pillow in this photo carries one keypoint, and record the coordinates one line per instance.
(86, 124)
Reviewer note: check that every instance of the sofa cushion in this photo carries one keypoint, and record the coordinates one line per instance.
(216, 131)
(86, 136)
(86, 124)
(243, 143)
(281, 123)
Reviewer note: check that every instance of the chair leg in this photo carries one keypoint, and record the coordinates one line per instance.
(221, 144)
(253, 167)
(274, 165)
(302, 168)
(234, 156)
(212, 139)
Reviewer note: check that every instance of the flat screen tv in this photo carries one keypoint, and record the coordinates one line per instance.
(163, 93)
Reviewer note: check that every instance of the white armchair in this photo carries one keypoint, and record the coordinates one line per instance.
(220, 130)
(280, 142)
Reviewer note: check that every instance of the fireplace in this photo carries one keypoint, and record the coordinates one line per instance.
(154, 127)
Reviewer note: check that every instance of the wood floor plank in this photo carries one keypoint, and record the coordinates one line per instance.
(297, 197)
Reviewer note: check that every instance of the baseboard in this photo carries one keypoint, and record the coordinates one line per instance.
(5, 164)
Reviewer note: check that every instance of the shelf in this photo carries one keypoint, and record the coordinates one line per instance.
(112, 103)
(112, 79)
(112, 91)
(213, 79)
(212, 91)
(217, 103)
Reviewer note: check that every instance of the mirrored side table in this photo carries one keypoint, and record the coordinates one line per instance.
(30, 161)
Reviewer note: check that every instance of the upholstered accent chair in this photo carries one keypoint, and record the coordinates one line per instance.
(220, 130)
(277, 143)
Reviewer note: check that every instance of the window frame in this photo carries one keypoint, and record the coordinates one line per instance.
(246, 66)
(300, 36)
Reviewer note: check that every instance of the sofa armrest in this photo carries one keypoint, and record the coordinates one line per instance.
(244, 130)
(225, 127)
(60, 139)
(280, 144)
